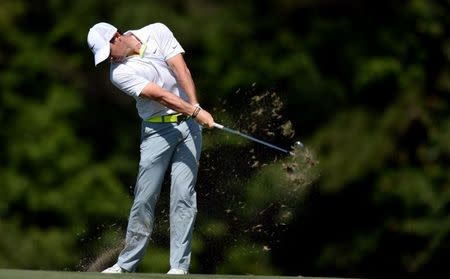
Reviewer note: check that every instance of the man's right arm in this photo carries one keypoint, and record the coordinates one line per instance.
(164, 97)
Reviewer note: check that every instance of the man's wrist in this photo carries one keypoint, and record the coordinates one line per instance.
(197, 110)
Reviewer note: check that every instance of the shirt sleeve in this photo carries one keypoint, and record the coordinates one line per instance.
(131, 84)
(168, 44)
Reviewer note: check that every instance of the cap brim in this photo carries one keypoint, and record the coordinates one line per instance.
(102, 54)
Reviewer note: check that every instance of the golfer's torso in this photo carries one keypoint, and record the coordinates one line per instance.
(135, 72)
(154, 70)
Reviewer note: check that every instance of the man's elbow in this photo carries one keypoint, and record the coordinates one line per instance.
(151, 91)
(151, 96)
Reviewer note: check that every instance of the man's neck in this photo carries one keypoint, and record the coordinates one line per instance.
(134, 45)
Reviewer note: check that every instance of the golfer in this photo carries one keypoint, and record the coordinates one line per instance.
(148, 65)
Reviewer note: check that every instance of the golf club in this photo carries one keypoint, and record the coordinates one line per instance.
(221, 127)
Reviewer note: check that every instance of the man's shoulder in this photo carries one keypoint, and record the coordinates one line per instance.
(156, 29)
(154, 26)
(159, 28)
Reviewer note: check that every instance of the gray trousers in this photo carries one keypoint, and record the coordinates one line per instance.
(164, 145)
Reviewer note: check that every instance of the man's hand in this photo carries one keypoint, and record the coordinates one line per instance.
(205, 119)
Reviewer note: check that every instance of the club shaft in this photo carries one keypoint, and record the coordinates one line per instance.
(221, 127)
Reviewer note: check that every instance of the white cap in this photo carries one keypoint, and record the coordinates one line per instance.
(98, 40)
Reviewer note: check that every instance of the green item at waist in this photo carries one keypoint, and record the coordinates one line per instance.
(171, 118)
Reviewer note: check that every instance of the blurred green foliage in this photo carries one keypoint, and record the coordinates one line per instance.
(365, 85)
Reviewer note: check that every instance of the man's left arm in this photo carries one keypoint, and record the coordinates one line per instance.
(183, 76)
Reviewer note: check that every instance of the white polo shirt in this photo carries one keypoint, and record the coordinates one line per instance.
(135, 72)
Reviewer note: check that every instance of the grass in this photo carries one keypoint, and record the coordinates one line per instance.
(45, 274)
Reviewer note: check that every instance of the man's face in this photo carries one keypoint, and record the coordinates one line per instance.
(120, 47)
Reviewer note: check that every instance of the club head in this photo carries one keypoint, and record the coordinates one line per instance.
(297, 145)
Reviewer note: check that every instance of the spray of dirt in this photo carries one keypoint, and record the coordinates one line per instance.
(261, 115)
(302, 169)
(266, 225)
(106, 256)
(265, 117)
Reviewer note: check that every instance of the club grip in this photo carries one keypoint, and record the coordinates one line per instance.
(218, 126)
